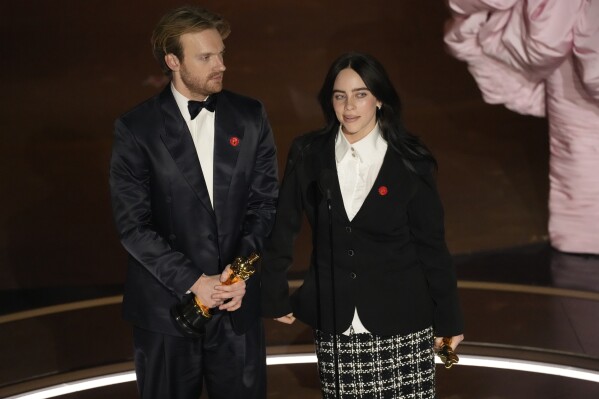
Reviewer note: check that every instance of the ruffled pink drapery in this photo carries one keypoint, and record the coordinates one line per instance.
(541, 57)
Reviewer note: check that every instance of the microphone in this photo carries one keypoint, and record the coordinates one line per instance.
(325, 182)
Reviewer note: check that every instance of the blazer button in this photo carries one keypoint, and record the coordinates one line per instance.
(353, 275)
(348, 229)
(350, 252)
(172, 237)
(168, 200)
(210, 237)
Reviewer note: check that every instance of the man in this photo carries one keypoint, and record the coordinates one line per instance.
(193, 187)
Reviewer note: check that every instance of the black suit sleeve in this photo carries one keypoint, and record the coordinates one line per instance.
(132, 210)
(261, 207)
(278, 254)
(425, 213)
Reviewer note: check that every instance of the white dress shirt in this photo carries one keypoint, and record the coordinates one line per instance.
(358, 165)
(202, 133)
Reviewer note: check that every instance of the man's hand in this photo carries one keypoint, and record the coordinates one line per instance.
(204, 289)
(230, 296)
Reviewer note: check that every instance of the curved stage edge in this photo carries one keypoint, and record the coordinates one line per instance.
(531, 332)
(100, 377)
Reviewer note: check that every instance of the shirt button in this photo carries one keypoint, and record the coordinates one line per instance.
(350, 252)
(353, 275)
(348, 229)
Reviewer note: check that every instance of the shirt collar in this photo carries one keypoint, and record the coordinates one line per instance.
(367, 149)
(182, 103)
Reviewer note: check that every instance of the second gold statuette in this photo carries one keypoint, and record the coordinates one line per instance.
(446, 354)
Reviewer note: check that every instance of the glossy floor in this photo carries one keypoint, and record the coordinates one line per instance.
(548, 315)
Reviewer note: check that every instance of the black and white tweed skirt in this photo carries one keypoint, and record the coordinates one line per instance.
(371, 366)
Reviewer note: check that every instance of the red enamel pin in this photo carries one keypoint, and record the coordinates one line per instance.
(383, 190)
(234, 141)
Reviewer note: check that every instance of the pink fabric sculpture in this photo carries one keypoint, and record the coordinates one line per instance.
(541, 57)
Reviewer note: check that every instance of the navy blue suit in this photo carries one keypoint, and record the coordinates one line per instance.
(162, 208)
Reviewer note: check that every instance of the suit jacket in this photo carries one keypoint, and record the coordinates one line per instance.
(162, 208)
(390, 261)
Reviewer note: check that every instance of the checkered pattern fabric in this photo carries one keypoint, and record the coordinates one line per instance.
(370, 366)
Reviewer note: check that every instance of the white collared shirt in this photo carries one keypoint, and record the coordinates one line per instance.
(358, 165)
(202, 133)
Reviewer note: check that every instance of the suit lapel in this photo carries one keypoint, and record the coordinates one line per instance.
(177, 139)
(387, 191)
(228, 142)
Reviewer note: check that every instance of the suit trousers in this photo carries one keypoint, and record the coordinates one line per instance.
(233, 366)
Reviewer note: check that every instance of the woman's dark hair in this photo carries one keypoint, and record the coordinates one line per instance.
(407, 145)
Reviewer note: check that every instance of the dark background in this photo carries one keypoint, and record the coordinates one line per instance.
(69, 68)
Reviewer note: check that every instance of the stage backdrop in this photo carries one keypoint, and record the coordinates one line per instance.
(69, 68)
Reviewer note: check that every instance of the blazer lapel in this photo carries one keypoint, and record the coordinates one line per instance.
(228, 142)
(388, 189)
(177, 139)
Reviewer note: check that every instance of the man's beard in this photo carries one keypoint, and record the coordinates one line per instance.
(199, 87)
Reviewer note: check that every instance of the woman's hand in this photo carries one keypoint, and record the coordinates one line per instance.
(455, 341)
(288, 319)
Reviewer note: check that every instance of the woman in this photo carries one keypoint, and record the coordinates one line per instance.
(381, 284)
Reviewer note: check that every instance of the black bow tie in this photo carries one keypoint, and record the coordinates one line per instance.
(195, 107)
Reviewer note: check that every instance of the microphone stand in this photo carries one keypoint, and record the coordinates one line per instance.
(335, 339)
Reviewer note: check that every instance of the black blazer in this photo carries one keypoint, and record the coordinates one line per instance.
(390, 261)
(162, 209)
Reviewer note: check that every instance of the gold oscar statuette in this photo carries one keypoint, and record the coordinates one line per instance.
(191, 316)
(446, 354)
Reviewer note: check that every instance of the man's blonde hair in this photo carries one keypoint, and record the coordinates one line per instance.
(167, 34)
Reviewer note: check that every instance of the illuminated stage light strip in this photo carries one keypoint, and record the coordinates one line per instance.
(303, 358)
(77, 386)
(475, 361)
(528, 366)
(298, 358)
